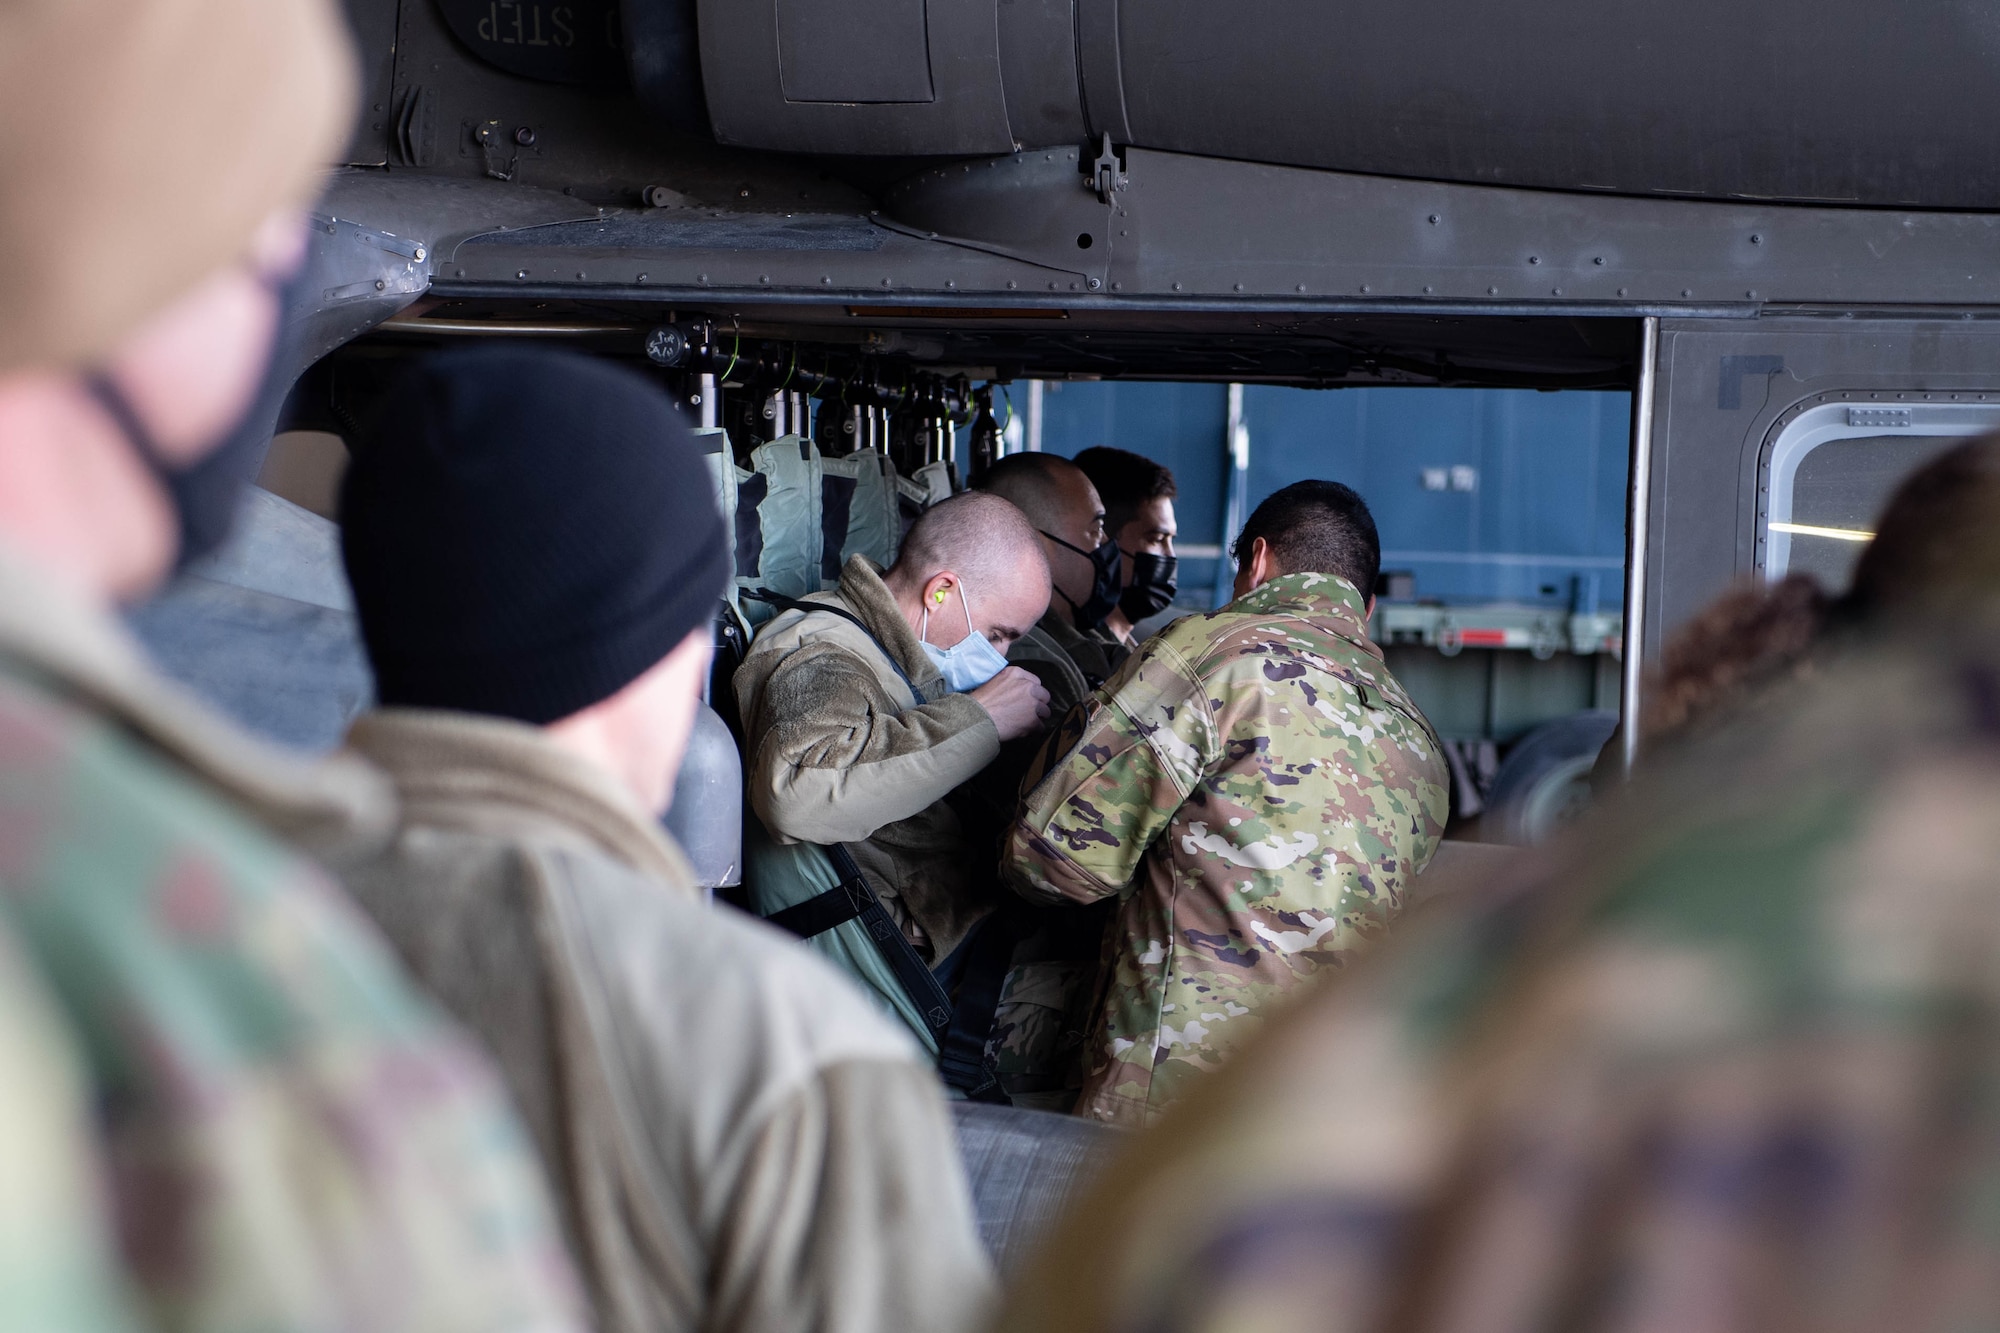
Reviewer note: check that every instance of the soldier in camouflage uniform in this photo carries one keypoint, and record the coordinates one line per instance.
(279, 1112)
(58, 1265)
(1255, 786)
(291, 1139)
(1723, 1058)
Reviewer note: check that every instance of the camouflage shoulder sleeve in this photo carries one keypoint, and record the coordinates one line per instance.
(282, 1112)
(58, 1268)
(1126, 761)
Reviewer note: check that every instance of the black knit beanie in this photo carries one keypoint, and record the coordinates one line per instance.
(527, 532)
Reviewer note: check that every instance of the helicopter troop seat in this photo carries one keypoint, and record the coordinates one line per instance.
(795, 515)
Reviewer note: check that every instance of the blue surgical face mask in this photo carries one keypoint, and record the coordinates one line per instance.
(970, 662)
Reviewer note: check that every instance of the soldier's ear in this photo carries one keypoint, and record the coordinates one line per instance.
(1263, 563)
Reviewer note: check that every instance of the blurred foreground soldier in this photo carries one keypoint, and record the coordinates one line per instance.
(1932, 555)
(1723, 1060)
(58, 1261)
(1257, 789)
(862, 708)
(741, 1142)
(293, 1140)
(1749, 643)
(1138, 496)
(1752, 641)
(1068, 650)
(1749, 640)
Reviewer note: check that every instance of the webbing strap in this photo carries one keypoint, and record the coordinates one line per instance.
(962, 1049)
(821, 913)
(784, 603)
(854, 899)
(960, 1031)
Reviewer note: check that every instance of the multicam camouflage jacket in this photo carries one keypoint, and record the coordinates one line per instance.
(293, 1139)
(58, 1262)
(1258, 789)
(1722, 1058)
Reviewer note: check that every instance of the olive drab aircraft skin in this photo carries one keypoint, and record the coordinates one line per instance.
(1776, 243)
(834, 230)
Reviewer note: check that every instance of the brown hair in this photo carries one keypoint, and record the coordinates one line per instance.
(1937, 546)
(1124, 481)
(1936, 552)
(1747, 639)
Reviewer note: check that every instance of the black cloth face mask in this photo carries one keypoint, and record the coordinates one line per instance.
(1153, 585)
(206, 492)
(1107, 573)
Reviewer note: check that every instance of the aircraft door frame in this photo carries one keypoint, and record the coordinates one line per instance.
(1726, 390)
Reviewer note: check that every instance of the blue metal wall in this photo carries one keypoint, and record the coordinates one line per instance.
(1548, 503)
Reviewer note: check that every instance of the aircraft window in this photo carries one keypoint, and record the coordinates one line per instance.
(1832, 468)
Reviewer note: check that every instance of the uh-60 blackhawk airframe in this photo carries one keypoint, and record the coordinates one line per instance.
(1774, 223)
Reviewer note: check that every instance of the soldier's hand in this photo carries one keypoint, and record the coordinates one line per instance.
(1017, 702)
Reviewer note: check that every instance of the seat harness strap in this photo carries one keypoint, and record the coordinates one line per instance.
(784, 603)
(854, 898)
(962, 1050)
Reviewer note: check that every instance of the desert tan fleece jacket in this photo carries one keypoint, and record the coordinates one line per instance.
(838, 748)
(738, 1139)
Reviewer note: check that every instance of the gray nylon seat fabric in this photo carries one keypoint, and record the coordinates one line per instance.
(1025, 1166)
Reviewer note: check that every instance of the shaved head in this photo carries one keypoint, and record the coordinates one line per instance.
(1048, 489)
(982, 538)
(984, 542)
(1062, 504)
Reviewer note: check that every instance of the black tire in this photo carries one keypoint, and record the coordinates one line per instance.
(1544, 782)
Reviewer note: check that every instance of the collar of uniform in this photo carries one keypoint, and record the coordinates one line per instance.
(1307, 594)
(53, 638)
(1091, 654)
(1041, 647)
(864, 593)
(496, 776)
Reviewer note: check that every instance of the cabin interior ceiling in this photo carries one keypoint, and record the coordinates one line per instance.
(1301, 349)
